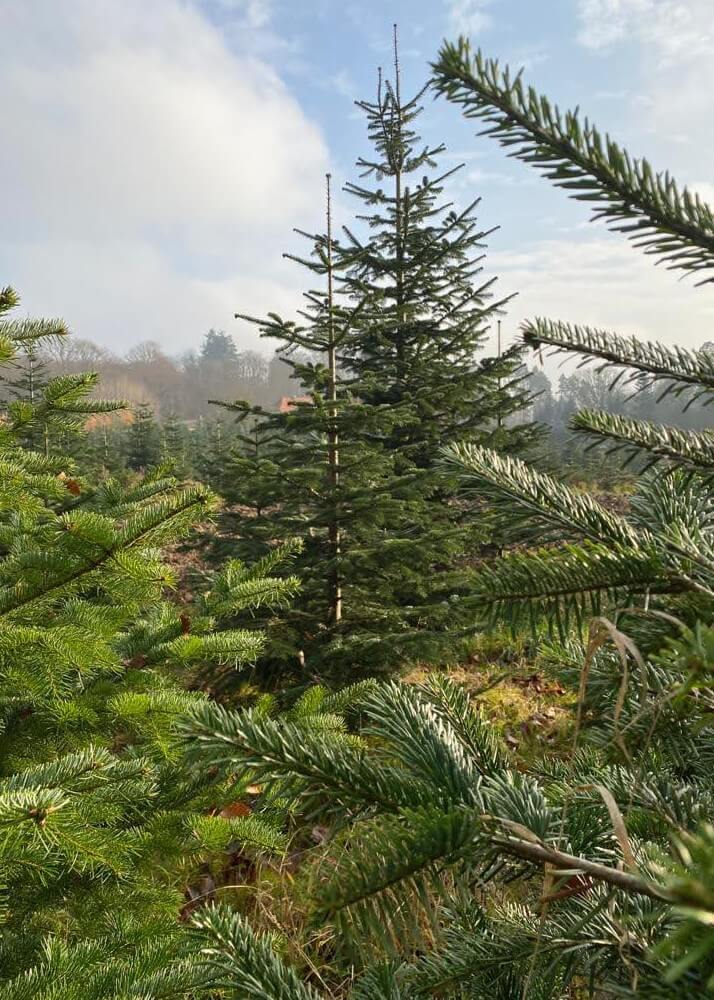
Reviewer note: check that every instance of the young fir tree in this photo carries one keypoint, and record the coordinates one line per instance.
(102, 447)
(27, 377)
(210, 448)
(248, 476)
(143, 439)
(174, 445)
(591, 875)
(397, 326)
(103, 834)
(305, 474)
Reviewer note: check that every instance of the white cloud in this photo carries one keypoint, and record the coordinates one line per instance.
(257, 13)
(141, 155)
(674, 29)
(469, 17)
(343, 84)
(610, 95)
(120, 292)
(475, 178)
(603, 282)
(603, 22)
(675, 51)
(527, 57)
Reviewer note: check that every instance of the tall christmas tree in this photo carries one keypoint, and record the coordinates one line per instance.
(302, 473)
(389, 374)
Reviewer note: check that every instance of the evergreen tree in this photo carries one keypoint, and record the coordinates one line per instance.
(103, 835)
(389, 373)
(103, 447)
(31, 374)
(218, 348)
(27, 376)
(174, 450)
(309, 477)
(282, 490)
(210, 447)
(248, 476)
(144, 439)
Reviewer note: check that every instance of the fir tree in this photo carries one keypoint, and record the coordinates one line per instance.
(29, 378)
(307, 476)
(144, 439)
(103, 833)
(26, 377)
(211, 442)
(248, 476)
(218, 348)
(174, 445)
(389, 375)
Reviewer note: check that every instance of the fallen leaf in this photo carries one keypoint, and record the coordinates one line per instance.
(235, 809)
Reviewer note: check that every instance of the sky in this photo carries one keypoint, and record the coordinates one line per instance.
(156, 156)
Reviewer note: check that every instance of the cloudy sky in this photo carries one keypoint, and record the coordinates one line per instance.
(156, 155)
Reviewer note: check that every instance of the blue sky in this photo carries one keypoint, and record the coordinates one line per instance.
(156, 156)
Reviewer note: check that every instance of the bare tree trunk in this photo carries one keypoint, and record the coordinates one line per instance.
(398, 215)
(333, 455)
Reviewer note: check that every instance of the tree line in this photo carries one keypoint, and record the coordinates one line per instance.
(180, 386)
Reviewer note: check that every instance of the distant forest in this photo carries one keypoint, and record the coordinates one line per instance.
(172, 419)
(181, 387)
(175, 386)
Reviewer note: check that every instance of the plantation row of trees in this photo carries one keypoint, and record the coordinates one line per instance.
(137, 437)
(233, 760)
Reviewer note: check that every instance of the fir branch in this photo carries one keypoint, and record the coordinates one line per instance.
(157, 523)
(559, 573)
(378, 887)
(242, 961)
(648, 363)
(274, 748)
(422, 739)
(503, 480)
(678, 448)
(675, 226)
(541, 854)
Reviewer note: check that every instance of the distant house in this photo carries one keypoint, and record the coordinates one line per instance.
(288, 403)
